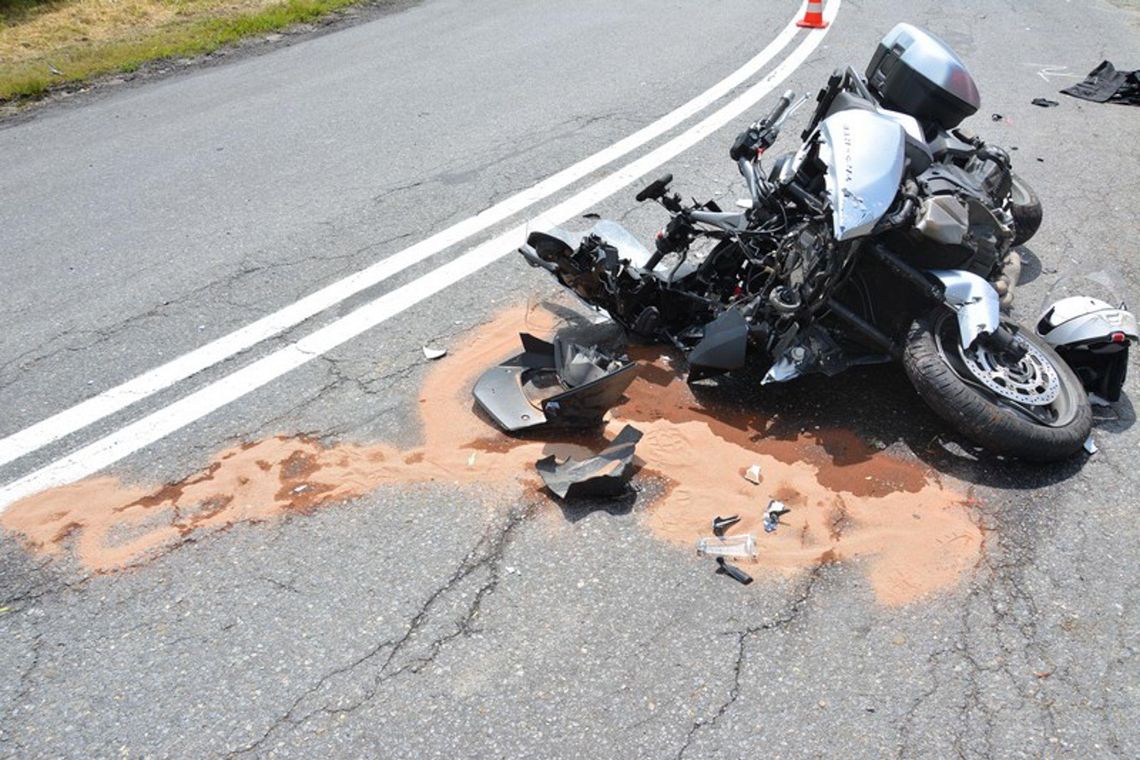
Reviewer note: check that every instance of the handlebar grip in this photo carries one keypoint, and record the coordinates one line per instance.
(656, 188)
(781, 107)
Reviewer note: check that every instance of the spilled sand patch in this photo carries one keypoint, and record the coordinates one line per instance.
(910, 533)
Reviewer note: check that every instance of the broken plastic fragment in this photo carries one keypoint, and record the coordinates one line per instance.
(730, 546)
(606, 474)
(721, 524)
(471, 460)
(434, 353)
(772, 515)
(1044, 102)
(752, 475)
(1090, 446)
(559, 383)
(732, 571)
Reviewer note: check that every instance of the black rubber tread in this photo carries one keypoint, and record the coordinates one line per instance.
(1025, 207)
(968, 410)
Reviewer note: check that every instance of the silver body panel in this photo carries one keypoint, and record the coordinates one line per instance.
(935, 60)
(865, 154)
(975, 301)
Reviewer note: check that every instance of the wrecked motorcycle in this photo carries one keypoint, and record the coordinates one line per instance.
(888, 235)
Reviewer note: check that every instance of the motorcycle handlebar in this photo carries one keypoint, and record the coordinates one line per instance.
(778, 112)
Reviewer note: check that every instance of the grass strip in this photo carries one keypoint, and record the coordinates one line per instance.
(177, 39)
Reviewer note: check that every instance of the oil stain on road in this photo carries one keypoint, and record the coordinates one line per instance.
(911, 533)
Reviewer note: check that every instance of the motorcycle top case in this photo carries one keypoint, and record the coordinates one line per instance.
(915, 72)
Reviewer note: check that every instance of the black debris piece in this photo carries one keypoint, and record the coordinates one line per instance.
(606, 474)
(1105, 84)
(723, 347)
(559, 383)
(732, 571)
(997, 117)
(721, 524)
(1044, 102)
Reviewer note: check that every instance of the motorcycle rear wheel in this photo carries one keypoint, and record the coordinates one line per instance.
(1025, 207)
(990, 400)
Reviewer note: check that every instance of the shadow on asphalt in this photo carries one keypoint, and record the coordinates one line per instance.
(879, 404)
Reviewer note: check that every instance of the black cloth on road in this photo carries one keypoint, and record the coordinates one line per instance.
(1105, 83)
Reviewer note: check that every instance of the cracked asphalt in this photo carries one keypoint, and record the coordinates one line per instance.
(442, 620)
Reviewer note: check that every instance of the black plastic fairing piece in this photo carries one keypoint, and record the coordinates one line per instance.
(586, 383)
(732, 571)
(723, 347)
(721, 524)
(606, 474)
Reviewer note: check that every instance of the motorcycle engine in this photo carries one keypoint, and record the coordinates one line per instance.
(961, 223)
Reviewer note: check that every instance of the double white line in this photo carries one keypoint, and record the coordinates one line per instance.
(155, 426)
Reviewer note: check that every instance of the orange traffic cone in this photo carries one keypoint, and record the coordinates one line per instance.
(813, 19)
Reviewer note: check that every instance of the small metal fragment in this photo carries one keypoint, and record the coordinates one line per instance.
(721, 524)
(772, 515)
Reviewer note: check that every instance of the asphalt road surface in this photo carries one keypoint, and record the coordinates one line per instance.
(458, 615)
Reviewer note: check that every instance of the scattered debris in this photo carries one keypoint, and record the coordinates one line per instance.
(752, 475)
(1044, 102)
(773, 513)
(603, 475)
(1105, 84)
(731, 546)
(1042, 673)
(1090, 446)
(431, 353)
(5, 610)
(558, 383)
(721, 524)
(996, 117)
(732, 571)
(471, 460)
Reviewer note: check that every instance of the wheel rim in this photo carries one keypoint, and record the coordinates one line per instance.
(1031, 387)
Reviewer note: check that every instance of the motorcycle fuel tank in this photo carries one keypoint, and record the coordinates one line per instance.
(865, 154)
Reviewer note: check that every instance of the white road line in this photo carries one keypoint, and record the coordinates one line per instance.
(92, 410)
(155, 426)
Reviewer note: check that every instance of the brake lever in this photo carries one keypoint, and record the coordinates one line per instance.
(789, 111)
(769, 133)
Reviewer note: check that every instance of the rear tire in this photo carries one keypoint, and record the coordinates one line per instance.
(1025, 207)
(987, 418)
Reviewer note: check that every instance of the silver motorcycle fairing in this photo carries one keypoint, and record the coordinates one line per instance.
(975, 301)
(865, 153)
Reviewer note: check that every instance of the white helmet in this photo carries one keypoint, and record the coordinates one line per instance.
(1092, 336)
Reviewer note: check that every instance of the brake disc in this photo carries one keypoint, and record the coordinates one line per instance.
(1031, 381)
